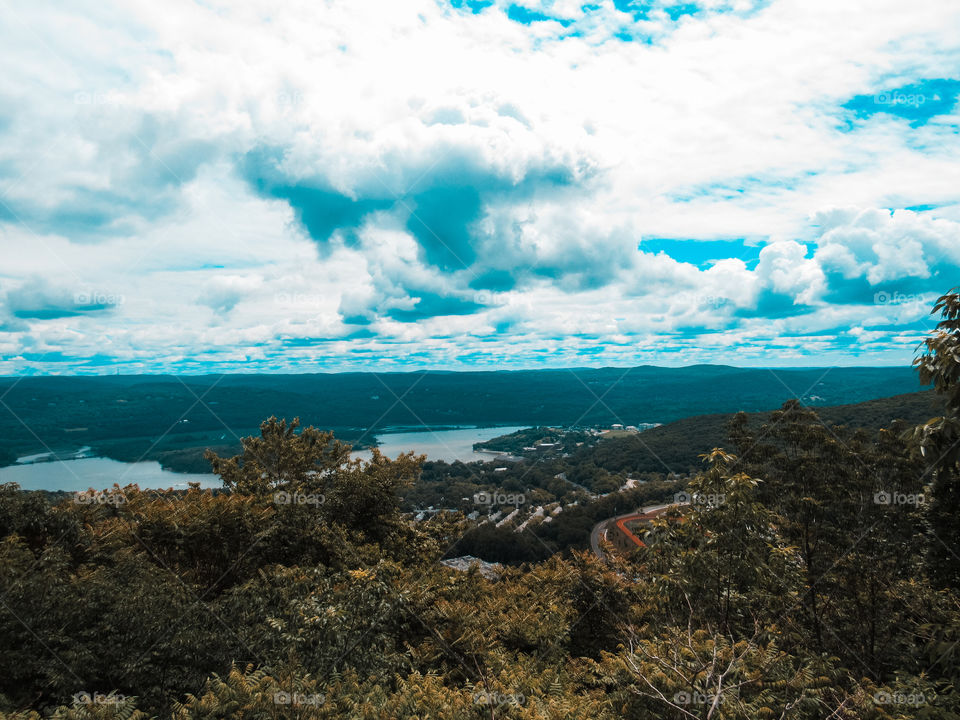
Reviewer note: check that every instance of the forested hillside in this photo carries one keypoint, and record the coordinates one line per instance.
(677, 446)
(174, 419)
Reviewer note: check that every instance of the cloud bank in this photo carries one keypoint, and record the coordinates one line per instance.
(373, 185)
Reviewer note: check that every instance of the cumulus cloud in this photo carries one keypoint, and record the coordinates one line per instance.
(454, 183)
(38, 299)
(888, 247)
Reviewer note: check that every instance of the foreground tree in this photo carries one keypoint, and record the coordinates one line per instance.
(328, 507)
(283, 460)
(939, 442)
(718, 631)
(722, 554)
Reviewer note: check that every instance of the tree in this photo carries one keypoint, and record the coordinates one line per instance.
(283, 460)
(827, 484)
(328, 507)
(939, 442)
(722, 553)
(716, 634)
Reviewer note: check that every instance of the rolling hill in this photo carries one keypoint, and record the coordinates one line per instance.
(173, 418)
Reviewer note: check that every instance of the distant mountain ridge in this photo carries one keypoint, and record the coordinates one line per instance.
(152, 416)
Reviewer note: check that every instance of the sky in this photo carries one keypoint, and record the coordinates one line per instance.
(316, 186)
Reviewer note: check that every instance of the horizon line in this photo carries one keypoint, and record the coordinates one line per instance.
(463, 371)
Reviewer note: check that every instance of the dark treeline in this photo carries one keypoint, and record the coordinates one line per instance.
(173, 419)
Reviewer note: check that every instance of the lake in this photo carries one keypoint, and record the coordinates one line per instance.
(448, 445)
(99, 473)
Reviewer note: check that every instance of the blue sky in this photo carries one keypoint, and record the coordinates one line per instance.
(206, 187)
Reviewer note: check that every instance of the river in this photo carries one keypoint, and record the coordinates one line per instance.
(99, 473)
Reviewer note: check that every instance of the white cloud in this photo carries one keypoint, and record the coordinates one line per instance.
(785, 269)
(122, 171)
(886, 247)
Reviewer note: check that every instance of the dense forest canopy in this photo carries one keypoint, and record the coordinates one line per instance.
(172, 419)
(814, 574)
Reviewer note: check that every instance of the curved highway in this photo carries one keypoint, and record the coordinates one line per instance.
(599, 531)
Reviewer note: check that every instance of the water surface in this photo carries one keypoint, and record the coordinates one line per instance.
(99, 473)
(448, 445)
(77, 474)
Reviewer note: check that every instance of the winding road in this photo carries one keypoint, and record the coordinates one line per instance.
(599, 531)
